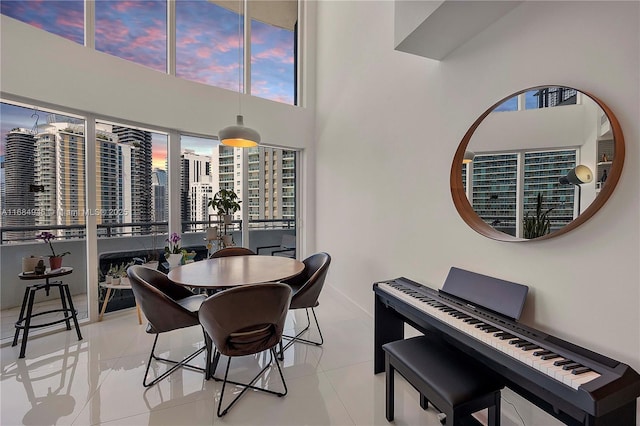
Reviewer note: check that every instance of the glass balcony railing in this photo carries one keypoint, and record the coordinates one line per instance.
(138, 239)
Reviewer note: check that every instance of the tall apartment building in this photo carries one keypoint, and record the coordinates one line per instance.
(141, 168)
(495, 192)
(196, 186)
(271, 183)
(160, 201)
(19, 201)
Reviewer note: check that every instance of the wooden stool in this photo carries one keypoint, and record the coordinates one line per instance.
(456, 384)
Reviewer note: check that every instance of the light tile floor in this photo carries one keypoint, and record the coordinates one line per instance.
(98, 381)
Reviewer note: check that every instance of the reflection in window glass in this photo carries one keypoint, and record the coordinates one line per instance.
(510, 104)
(133, 30)
(541, 172)
(494, 190)
(273, 62)
(207, 44)
(550, 97)
(64, 18)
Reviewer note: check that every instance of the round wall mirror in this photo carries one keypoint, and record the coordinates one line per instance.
(537, 164)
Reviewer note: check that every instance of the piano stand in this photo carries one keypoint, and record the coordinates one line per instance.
(607, 398)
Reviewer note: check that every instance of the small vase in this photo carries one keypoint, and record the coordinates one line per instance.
(174, 259)
(55, 262)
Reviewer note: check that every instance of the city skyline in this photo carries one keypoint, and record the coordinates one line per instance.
(12, 116)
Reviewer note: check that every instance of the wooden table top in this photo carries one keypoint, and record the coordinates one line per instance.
(235, 270)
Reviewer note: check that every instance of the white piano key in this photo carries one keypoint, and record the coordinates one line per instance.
(546, 367)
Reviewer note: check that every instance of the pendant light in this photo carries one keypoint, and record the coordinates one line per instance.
(239, 136)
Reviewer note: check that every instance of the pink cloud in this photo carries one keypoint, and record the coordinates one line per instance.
(276, 53)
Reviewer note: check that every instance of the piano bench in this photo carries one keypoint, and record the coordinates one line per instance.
(456, 384)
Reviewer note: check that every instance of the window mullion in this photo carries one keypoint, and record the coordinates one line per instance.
(90, 24)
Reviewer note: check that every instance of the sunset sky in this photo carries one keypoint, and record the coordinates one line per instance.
(206, 49)
(206, 39)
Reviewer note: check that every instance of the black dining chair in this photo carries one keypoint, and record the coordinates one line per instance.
(231, 251)
(306, 289)
(246, 320)
(167, 306)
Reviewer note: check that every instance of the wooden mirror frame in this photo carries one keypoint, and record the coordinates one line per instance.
(472, 219)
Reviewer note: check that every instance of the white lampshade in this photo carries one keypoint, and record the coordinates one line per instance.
(577, 176)
(239, 136)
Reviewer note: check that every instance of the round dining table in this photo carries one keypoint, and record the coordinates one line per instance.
(235, 270)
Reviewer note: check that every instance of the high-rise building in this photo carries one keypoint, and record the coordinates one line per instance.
(271, 180)
(141, 166)
(196, 187)
(19, 204)
(495, 191)
(159, 195)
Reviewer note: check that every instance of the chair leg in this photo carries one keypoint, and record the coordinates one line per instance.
(297, 338)
(177, 364)
(247, 386)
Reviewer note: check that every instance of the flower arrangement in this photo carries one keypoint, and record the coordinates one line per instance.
(47, 237)
(173, 245)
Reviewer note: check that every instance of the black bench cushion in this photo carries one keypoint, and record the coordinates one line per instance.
(453, 375)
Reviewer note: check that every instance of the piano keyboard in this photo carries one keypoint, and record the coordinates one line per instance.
(546, 361)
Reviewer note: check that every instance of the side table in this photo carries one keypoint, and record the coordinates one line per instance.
(68, 310)
(111, 287)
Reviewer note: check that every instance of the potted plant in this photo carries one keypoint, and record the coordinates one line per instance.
(226, 203)
(173, 251)
(537, 225)
(55, 259)
(113, 275)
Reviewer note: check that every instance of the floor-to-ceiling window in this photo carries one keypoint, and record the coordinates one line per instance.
(42, 185)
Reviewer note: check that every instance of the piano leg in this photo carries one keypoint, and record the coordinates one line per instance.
(388, 327)
(625, 415)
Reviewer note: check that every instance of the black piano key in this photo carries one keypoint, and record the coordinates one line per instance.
(491, 329)
(522, 344)
(517, 341)
(562, 362)
(581, 370)
(540, 353)
(550, 356)
(529, 347)
(504, 335)
(482, 325)
(472, 321)
(447, 309)
(571, 366)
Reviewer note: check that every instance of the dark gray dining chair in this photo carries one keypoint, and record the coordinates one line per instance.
(306, 289)
(167, 306)
(246, 320)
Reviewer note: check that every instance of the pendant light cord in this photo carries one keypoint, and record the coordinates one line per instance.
(239, 57)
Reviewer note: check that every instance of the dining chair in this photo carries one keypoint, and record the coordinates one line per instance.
(306, 288)
(245, 320)
(231, 251)
(167, 307)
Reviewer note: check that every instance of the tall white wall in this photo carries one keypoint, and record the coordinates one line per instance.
(388, 124)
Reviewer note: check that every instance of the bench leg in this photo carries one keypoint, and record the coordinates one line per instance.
(388, 389)
(493, 418)
(424, 402)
